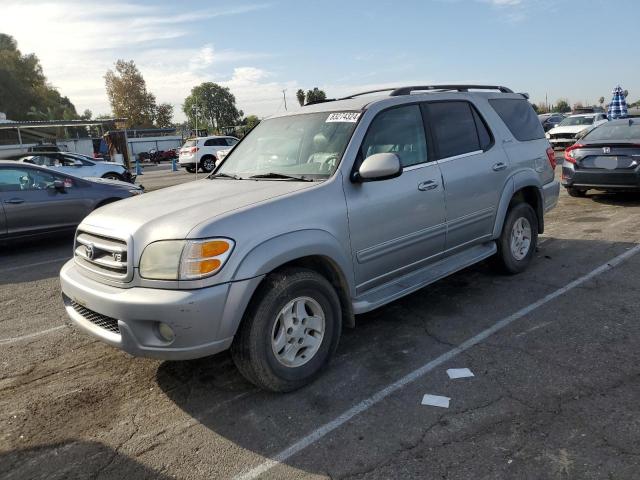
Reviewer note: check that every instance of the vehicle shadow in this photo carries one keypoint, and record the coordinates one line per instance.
(32, 260)
(62, 461)
(626, 199)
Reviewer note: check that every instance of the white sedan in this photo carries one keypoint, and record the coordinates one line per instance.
(80, 166)
(565, 134)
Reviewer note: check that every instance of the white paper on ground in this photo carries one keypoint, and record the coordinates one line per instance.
(436, 401)
(459, 373)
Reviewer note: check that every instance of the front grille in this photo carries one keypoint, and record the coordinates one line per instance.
(101, 254)
(564, 136)
(102, 321)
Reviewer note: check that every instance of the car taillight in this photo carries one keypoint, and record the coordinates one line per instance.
(568, 153)
(551, 155)
(194, 149)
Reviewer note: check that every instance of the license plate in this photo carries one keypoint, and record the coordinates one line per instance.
(606, 162)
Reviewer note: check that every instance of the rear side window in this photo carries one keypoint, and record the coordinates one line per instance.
(215, 142)
(457, 129)
(519, 117)
(398, 130)
(231, 142)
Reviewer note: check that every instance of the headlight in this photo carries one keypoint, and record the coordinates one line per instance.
(548, 135)
(185, 259)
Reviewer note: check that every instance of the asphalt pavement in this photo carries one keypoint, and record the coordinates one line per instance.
(554, 353)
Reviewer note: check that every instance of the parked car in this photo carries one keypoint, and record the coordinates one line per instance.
(202, 152)
(567, 131)
(223, 153)
(80, 166)
(317, 215)
(607, 158)
(550, 120)
(37, 201)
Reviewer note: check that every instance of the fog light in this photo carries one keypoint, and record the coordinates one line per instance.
(166, 333)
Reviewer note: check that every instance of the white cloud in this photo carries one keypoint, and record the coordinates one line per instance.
(78, 41)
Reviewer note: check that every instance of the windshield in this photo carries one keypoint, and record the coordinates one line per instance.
(308, 145)
(568, 122)
(615, 132)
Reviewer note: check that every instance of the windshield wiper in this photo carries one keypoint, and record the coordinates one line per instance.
(283, 176)
(226, 175)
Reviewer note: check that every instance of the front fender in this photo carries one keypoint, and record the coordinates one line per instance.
(277, 251)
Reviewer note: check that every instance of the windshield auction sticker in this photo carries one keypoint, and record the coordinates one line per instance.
(351, 117)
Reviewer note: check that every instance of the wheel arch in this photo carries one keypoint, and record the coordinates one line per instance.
(521, 187)
(316, 250)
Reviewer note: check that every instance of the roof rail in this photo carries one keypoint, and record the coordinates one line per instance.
(368, 92)
(460, 88)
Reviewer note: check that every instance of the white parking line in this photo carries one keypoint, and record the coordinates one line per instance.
(367, 403)
(37, 264)
(5, 341)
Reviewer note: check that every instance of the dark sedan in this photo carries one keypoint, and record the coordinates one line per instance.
(607, 158)
(550, 121)
(36, 201)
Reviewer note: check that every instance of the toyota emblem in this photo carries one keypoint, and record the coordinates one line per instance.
(89, 251)
(606, 149)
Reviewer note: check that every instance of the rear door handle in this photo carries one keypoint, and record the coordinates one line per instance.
(428, 185)
(499, 166)
(14, 200)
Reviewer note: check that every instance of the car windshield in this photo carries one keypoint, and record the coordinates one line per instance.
(619, 131)
(571, 121)
(307, 145)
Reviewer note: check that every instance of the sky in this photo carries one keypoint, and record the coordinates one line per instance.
(574, 49)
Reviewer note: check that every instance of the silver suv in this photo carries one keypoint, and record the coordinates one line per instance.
(315, 216)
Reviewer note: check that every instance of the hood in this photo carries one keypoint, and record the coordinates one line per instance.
(171, 213)
(117, 183)
(569, 129)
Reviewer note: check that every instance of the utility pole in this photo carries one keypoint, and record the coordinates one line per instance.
(284, 96)
(195, 112)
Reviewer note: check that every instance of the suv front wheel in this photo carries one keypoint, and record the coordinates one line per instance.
(519, 239)
(289, 331)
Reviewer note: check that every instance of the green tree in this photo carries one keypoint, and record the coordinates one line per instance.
(315, 95)
(128, 95)
(562, 106)
(24, 92)
(535, 108)
(164, 115)
(251, 121)
(86, 115)
(300, 97)
(215, 106)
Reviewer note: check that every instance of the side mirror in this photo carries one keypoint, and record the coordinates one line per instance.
(58, 185)
(379, 166)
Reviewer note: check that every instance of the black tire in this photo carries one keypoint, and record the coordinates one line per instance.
(252, 350)
(190, 169)
(113, 176)
(505, 260)
(207, 164)
(576, 192)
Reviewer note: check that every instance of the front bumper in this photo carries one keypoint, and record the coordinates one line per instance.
(561, 142)
(600, 179)
(204, 321)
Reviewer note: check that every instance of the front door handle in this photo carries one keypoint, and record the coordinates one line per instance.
(428, 185)
(14, 201)
(499, 166)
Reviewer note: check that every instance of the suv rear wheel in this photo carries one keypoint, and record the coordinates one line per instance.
(519, 239)
(207, 164)
(289, 331)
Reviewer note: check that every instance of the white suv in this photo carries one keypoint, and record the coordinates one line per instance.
(202, 152)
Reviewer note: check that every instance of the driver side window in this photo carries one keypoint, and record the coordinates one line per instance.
(398, 130)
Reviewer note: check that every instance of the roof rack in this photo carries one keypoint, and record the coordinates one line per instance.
(368, 92)
(460, 88)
